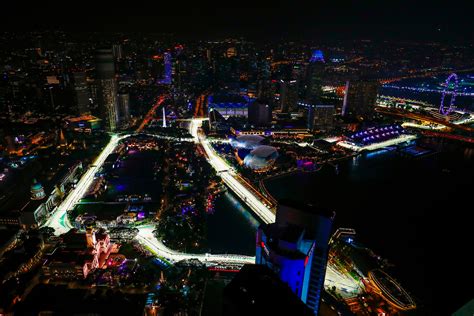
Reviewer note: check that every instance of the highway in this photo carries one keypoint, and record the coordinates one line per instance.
(147, 238)
(229, 177)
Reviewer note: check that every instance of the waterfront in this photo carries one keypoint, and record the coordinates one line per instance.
(232, 227)
(411, 211)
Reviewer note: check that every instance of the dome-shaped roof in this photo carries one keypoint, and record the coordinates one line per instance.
(261, 157)
(36, 185)
(263, 151)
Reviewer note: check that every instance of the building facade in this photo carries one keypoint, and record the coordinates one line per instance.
(360, 98)
(288, 96)
(81, 93)
(108, 88)
(295, 247)
(259, 114)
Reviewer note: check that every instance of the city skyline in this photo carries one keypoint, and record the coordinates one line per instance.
(231, 160)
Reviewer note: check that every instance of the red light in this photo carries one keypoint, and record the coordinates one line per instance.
(262, 244)
(306, 261)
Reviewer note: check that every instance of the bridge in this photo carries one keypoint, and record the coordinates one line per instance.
(422, 117)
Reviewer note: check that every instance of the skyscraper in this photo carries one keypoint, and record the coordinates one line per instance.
(323, 117)
(168, 67)
(295, 247)
(259, 113)
(314, 75)
(288, 96)
(124, 106)
(81, 93)
(360, 98)
(117, 51)
(107, 88)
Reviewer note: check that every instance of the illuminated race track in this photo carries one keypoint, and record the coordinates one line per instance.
(146, 237)
(344, 283)
(229, 177)
(59, 220)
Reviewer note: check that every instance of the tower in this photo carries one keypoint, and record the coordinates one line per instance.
(164, 117)
(259, 113)
(360, 98)
(288, 96)
(81, 93)
(107, 88)
(168, 69)
(295, 247)
(62, 138)
(124, 106)
(314, 75)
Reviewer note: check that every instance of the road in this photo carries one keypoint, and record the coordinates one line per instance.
(146, 237)
(345, 284)
(151, 113)
(59, 220)
(229, 176)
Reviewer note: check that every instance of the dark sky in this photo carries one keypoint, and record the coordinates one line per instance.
(347, 19)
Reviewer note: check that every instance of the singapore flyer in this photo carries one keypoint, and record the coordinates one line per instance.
(442, 108)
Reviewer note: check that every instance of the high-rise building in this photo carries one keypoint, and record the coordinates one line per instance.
(105, 68)
(314, 76)
(124, 106)
(117, 51)
(81, 93)
(288, 96)
(256, 290)
(295, 247)
(168, 67)
(259, 113)
(360, 98)
(323, 117)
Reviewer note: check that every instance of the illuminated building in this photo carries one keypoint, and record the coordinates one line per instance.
(37, 191)
(295, 247)
(314, 75)
(124, 106)
(117, 51)
(231, 52)
(261, 158)
(256, 290)
(81, 93)
(377, 137)
(259, 114)
(107, 88)
(77, 255)
(288, 96)
(316, 56)
(360, 98)
(323, 117)
(168, 69)
(229, 104)
(247, 141)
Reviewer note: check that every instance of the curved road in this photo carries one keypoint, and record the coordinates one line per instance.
(146, 237)
(229, 177)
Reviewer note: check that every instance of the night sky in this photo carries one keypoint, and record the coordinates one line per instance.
(441, 20)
